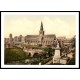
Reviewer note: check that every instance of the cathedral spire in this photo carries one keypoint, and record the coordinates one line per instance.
(41, 27)
(41, 32)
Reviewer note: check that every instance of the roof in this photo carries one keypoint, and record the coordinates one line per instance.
(37, 36)
(50, 35)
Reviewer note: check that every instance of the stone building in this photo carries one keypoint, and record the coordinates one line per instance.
(41, 39)
(8, 42)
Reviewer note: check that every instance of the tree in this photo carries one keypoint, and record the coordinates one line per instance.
(50, 51)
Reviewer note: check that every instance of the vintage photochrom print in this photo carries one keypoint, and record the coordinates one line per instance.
(40, 40)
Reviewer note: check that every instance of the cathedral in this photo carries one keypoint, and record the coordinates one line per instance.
(40, 39)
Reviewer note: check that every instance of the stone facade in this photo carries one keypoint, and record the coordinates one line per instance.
(8, 42)
(40, 39)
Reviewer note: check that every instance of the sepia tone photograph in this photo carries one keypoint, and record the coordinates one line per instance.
(40, 39)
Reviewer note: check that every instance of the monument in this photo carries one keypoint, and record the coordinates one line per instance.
(56, 57)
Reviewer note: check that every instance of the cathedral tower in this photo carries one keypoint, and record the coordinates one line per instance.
(41, 33)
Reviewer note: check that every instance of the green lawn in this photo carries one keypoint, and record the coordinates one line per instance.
(14, 54)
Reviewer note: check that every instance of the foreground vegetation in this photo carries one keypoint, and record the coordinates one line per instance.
(18, 56)
(14, 54)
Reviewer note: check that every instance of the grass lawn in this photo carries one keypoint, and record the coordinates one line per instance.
(14, 54)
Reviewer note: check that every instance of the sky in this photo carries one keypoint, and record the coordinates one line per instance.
(60, 25)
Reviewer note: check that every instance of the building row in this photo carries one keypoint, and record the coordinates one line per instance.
(40, 39)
